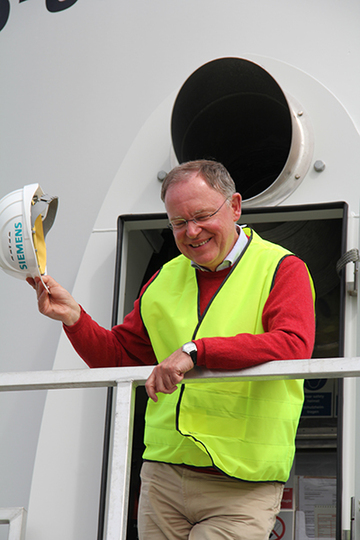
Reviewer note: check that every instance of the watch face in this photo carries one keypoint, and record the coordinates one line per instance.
(189, 347)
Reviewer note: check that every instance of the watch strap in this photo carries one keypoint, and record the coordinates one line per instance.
(190, 349)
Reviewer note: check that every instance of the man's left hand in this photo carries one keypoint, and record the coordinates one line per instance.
(168, 374)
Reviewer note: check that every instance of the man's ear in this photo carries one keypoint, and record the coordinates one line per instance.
(236, 205)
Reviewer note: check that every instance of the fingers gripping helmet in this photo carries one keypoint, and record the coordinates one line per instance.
(26, 215)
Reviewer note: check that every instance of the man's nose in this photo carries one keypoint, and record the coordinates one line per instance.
(192, 228)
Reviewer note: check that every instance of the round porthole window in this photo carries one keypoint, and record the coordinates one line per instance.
(232, 110)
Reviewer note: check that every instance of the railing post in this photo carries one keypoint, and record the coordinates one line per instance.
(16, 517)
(120, 462)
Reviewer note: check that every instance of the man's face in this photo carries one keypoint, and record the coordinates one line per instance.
(209, 242)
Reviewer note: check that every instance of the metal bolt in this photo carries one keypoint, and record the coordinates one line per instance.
(319, 165)
(300, 113)
(161, 175)
(297, 176)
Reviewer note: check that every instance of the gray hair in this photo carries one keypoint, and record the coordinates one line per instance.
(213, 172)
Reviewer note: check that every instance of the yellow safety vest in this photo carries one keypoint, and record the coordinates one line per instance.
(245, 429)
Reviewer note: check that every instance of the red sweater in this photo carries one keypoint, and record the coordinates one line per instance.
(288, 321)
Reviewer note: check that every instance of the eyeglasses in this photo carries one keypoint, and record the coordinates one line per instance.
(181, 223)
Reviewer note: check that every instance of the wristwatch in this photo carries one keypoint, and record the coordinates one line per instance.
(190, 349)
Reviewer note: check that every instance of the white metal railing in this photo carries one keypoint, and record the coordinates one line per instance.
(125, 380)
(16, 518)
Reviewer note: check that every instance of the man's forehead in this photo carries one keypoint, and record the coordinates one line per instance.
(194, 180)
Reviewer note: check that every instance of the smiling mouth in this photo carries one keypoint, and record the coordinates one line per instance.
(200, 244)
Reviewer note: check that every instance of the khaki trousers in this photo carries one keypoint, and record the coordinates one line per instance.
(179, 504)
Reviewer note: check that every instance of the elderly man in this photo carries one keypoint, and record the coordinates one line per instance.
(216, 456)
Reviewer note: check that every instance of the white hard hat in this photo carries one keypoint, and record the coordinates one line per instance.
(26, 215)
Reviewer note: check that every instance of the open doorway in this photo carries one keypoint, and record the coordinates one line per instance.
(315, 233)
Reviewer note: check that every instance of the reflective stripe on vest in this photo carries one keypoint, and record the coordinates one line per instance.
(246, 429)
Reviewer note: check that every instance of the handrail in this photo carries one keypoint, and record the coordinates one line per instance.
(315, 368)
(126, 379)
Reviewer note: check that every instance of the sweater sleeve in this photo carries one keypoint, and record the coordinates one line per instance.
(126, 344)
(288, 320)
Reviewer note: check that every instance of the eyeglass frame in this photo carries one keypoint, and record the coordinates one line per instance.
(205, 218)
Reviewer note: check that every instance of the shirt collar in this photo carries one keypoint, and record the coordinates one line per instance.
(234, 254)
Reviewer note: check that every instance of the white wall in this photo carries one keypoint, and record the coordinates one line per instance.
(77, 88)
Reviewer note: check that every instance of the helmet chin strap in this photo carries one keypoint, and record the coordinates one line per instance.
(45, 286)
(38, 235)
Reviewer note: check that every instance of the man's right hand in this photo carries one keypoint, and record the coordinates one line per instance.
(58, 303)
